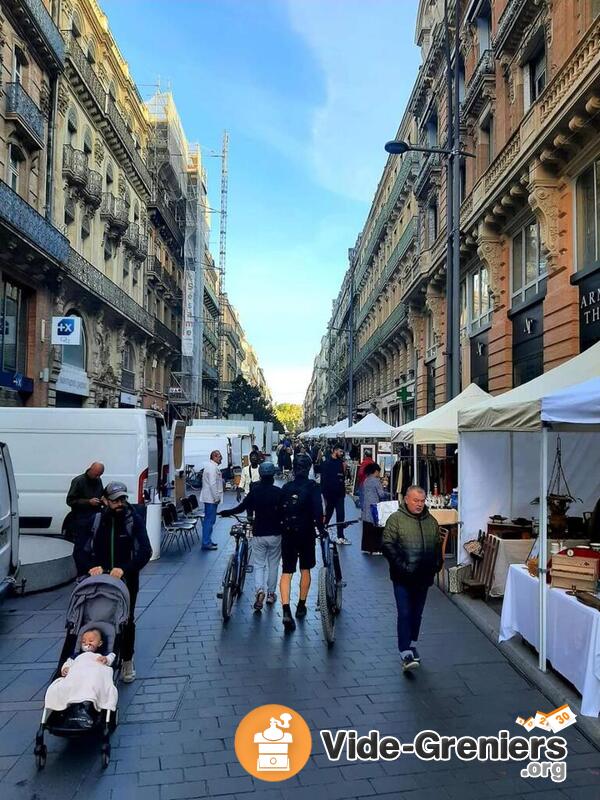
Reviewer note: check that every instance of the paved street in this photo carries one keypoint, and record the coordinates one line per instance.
(196, 680)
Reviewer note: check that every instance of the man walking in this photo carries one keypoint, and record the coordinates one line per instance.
(302, 512)
(211, 495)
(412, 546)
(116, 542)
(264, 503)
(250, 474)
(333, 487)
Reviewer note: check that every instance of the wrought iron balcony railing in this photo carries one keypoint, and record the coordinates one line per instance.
(21, 108)
(485, 71)
(211, 294)
(26, 222)
(35, 19)
(115, 211)
(131, 237)
(75, 166)
(93, 188)
(160, 205)
(167, 335)
(107, 292)
(209, 372)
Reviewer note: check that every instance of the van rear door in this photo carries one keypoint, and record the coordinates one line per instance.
(176, 458)
(155, 427)
(9, 518)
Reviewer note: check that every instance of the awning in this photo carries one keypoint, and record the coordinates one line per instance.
(370, 427)
(441, 425)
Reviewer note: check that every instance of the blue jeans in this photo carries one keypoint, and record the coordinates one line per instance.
(208, 523)
(410, 602)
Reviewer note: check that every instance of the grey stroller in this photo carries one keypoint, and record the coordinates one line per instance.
(100, 602)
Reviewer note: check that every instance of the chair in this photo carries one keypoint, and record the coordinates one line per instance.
(189, 511)
(173, 533)
(482, 575)
(444, 536)
(187, 525)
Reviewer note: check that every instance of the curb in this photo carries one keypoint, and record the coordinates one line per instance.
(524, 660)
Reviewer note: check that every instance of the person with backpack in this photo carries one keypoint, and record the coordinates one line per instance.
(264, 504)
(302, 512)
(116, 542)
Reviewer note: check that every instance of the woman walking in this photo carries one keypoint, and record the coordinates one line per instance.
(373, 493)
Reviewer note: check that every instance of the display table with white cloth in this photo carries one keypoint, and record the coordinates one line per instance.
(573, 638)
(515, 551)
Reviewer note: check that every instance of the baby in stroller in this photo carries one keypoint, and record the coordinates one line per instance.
(87, 678)
(82, 698)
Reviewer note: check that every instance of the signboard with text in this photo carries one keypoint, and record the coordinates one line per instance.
(66, 330)
(589, 311)
(187, 328)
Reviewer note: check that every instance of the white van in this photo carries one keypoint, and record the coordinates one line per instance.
(50, 446)
(238, 433)
(198, 446)
(9, 523)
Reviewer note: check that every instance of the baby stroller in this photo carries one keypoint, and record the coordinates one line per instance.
(100, 602)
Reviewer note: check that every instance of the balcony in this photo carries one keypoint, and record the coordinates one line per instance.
(154, 272)
(107, 292)
(26, 222)
(481, 84)
(167, 335)
(21, 109)
(116, 214)
(164, 216)
(389, 326)
(210, 334)
(514, 20)
(210, 293)
(209, 372)
(232, 335)
(92, 191)
(35, 21)
(103, 107)
(75, 167)
(429, 173)
(131, 238)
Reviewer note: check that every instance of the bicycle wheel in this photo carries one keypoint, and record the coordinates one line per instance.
(228, 589)
(242, 567)
(327, 616)
(337, 572)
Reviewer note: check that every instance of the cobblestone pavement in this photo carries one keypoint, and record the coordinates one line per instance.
(197, 679)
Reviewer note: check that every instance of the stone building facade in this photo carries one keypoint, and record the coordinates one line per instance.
(529, 82)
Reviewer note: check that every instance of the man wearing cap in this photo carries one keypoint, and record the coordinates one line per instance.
(116, 542)
(264, 502)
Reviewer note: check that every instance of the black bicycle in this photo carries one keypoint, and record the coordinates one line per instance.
(331, 584)
(237, 566)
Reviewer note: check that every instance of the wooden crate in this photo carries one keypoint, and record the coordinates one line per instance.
(574, 572)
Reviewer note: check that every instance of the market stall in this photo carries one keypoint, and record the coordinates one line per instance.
(512, 449)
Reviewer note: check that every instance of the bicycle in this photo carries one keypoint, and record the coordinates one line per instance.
(193, 479)
(330, 583)
(237, 567)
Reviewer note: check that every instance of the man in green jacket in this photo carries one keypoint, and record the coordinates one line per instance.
(411, 544)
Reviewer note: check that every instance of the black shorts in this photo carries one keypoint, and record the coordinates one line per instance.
(297, 548)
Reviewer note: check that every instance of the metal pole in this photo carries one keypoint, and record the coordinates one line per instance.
(449, 213)
(351, 346)
(543, 548)
(415, 479)
(456, 213)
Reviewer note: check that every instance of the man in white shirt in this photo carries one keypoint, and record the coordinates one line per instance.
(211, 495)
(250, 473)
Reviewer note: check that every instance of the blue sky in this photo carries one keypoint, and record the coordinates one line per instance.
(309, 91)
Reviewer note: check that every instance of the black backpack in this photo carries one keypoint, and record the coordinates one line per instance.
(296, 508)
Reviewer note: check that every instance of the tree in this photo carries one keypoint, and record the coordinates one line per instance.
(247, 399)
(290, 415)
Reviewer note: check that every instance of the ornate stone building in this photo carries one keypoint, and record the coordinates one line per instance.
(529, 83)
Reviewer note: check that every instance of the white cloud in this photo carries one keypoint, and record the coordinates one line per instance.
(364, 51)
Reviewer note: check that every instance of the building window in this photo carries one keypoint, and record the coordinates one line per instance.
(91, 52)
(588, 219)
(76, 26)
(431, 130)
(72, 126)
(535, 76)
(478, 298)
(430, 387)
(484, 27)
(87, 142)
(430, 340)
(487, 130)
(13, 327)
(76, 354)
(19, 65)
(110, 176)
(128, 376)
(528, 264)
(14, 167)
(432, 223)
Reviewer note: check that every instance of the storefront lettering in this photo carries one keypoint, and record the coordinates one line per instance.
(589, 306)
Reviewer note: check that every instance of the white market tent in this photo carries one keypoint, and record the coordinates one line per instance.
(369, 427)
(504, 447)
(337, 429)
(441, 425)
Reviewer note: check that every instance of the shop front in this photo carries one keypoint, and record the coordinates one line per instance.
(589, 310)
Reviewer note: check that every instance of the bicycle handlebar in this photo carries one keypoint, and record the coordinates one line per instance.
(342, 524)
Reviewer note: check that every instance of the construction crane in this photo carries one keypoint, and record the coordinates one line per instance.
(222, 265)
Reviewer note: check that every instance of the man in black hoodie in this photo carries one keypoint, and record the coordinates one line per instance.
(333, 488)
(116, 542)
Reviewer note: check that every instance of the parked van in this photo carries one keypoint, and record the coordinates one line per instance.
(50, 446)
(9, 523)
(238, 432)
(198, 446)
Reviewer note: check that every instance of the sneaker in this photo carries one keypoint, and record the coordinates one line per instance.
(288, 621)
(415, 653)
(260, 599)
(343, 540)
(300, 610)
(128, 672)
(211, 546)
(271, 598)
(409, 663)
